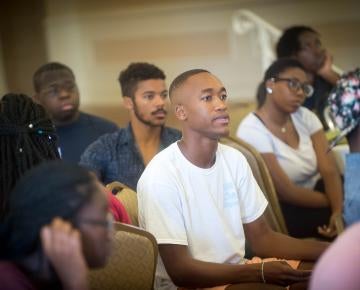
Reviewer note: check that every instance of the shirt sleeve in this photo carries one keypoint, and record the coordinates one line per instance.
(95, 158)
(160, 210)
(253, 201)
(254, 133)
(118, 210)
(311, 121)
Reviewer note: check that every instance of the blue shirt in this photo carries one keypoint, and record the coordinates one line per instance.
(75, 137)
(115, 157)
(352, 189)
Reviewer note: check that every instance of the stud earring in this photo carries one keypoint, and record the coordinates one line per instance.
(269, 90)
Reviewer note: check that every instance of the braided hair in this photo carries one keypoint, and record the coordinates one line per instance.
(27, 138)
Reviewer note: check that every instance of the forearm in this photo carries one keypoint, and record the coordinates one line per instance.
(301, 196)
(199, 274)
(291, 248)
(331, 76)
(334, 191)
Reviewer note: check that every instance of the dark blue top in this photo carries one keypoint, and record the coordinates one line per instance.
(115, 157)
(75, 137)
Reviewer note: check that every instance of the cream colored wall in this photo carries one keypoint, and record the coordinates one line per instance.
(99, 38)
(3, 85)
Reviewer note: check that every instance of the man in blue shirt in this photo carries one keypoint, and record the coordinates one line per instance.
(56, 90)
(123, 155)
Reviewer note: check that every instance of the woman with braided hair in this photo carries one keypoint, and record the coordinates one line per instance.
(27, 137)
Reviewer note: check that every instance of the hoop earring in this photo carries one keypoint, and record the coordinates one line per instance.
(269, 90)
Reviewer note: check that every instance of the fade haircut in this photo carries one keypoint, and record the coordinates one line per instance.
(40, 75)
(289, 44)
(180, 79)
(135, 73)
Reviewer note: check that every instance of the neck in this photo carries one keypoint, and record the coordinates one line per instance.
(272, 114)
(38, 269)
(144, 133)
(68, 121)
(200, 151)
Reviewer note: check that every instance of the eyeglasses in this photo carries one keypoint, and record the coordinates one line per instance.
(108, 223)
(295, 85)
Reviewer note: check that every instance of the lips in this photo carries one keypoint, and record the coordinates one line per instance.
(67, 107)
(223, 119)
(159, 113)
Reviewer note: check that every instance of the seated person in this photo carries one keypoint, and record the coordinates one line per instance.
(56, 90)
(27, 138)
(303, 43)
(292, 142)
(123, 155)
(345, 110)
(200, 200)
(338, 267)
(55, 231)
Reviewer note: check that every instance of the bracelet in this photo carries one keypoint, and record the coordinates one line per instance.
(262, 272)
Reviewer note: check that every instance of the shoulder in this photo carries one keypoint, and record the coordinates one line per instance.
(231, 154)
(250, 122)
(162, 163)
(172, 133)
(303, 112)
(308, 119)
(12, 277)
(109, 140)
(96, 120)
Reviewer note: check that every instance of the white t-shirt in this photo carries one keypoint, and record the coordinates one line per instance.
(299, 164)
(180, 203)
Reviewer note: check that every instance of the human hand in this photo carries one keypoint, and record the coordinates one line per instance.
(330, 231)
(326, 66)
(281, 273)
(62, 245)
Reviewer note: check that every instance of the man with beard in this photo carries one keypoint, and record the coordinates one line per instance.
(123, 155)
(56, 90)
(303, 43)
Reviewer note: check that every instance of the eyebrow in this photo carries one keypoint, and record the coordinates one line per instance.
(210, 90)
(153, 92)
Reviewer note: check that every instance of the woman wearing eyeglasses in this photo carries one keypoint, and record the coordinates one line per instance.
(292, 142)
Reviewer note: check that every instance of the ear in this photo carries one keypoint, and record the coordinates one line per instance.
(180, 112)
(128, 103)
(269, 84)
(36, 98)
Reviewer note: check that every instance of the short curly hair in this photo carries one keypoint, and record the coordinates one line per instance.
(288, 44)
(135, 73)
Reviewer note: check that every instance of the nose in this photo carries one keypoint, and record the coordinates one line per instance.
(159, 101)
(220, 104)
(64, 94)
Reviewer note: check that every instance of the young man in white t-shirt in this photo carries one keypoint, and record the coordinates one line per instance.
(200, 200)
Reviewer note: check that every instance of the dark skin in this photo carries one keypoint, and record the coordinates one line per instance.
(70, 251)
(354, 140)
(200, 105)
(59, 95)
(314, 57)
(275, 113)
